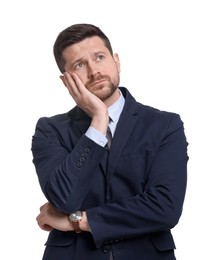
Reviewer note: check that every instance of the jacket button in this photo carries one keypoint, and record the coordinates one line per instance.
(84, 155)
(79, 164)
(87, 150)
(82, 159)
(106, 249)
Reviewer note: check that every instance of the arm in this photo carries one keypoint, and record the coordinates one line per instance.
(64, 178)
(159, 206)
(57, 167)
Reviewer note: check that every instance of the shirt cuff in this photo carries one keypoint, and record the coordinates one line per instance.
(96, 136)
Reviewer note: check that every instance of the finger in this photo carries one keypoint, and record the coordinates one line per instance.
(71, 85)
(39, 217)
(62, 77)
(79, 86)
(78, 83)
(45, 227)
(43, 206)
(41, 221)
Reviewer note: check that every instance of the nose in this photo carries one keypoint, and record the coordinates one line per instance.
(93, 70)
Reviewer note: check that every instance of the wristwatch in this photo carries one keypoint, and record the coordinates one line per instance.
(75, 218)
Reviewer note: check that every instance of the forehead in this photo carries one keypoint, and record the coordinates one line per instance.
(87, 46)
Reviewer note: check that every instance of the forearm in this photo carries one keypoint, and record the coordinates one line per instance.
(65, 177)
(158, 206)
(154, 210)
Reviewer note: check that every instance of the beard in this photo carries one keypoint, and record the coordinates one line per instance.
(103, 89)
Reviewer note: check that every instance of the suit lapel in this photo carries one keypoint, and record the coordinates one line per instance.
(124, 128)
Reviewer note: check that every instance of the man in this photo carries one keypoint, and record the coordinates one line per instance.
(110, 196)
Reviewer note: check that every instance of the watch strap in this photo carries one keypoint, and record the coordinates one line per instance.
(76, 226)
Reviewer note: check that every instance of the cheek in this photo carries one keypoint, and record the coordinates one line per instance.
(115, 71)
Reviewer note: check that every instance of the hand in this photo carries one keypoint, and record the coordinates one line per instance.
(87, 101)
(49, 218)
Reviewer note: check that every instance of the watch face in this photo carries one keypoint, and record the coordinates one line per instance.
(76, 216)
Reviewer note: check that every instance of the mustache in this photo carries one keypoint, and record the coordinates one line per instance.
(97, 78)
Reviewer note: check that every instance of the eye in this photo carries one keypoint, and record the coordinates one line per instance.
(100, 57)
(79, 65)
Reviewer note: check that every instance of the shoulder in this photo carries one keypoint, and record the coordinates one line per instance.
(62, 118)
(153, 112)
(53, 120)
(58, 121)
(149, 114)
(159, 119)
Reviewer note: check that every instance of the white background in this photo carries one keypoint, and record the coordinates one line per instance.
(166, 50)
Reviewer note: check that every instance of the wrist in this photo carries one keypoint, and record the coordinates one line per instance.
(83, 224)
(78, 221)
(75, 219)
(100, 123)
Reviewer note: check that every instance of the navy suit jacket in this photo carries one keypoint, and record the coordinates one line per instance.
(133, 194)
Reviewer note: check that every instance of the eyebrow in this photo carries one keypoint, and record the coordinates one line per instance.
(82, 57)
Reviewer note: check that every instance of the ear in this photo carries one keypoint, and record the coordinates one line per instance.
(117, 61)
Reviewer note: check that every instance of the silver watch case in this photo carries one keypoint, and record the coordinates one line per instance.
(76, 216)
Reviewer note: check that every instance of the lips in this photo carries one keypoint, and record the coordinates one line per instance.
(98, 81)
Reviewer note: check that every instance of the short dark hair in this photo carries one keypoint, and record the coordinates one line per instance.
(74, 34)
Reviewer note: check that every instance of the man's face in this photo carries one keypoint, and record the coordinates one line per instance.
(95, 66)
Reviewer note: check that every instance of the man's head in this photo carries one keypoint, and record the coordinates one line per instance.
(84, 50)
(75, 34)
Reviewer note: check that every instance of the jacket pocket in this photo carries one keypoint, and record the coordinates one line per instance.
(163, 241)
(59, 238)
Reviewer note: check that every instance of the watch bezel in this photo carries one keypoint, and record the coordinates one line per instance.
(76, 216)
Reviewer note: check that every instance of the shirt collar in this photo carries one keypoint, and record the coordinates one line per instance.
(115, 110)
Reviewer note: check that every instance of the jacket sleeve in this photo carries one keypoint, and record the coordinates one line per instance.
(65, 174)
(159, 206)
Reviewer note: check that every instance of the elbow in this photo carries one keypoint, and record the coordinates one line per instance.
(172, 214)
(167, 209)
(172, 218)
(61, 198)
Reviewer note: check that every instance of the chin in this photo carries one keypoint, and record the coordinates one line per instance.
(105, 93)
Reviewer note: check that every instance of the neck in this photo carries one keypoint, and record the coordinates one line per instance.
(110, 101)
